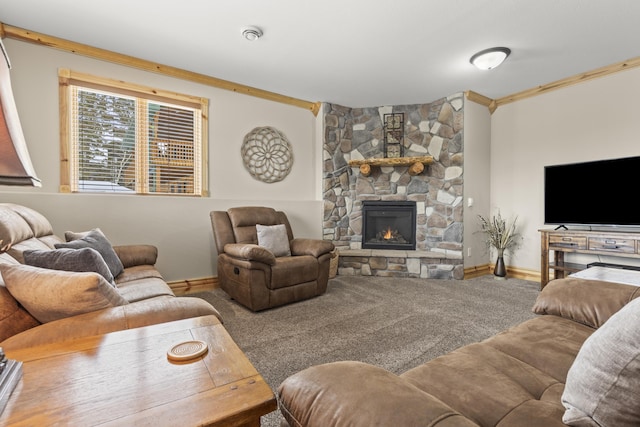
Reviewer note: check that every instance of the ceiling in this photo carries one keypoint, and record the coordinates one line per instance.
(357, 53)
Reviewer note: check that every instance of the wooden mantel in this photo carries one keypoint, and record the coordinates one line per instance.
(416, 164)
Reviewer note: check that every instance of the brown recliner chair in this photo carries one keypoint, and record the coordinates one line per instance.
(252, 274)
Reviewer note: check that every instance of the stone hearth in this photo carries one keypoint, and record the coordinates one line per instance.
(434, 129)
(394, 263)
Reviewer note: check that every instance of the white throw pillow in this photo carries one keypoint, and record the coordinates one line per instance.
(603, 383)
(274, 238)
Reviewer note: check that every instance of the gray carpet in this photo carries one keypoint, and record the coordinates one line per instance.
(393, 323)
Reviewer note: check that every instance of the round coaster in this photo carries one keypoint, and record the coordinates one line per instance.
(187, 350)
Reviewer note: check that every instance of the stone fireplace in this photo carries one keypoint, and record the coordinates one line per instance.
(435, 130)
(389, 225)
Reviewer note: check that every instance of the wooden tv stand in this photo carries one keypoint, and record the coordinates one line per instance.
(612, 243)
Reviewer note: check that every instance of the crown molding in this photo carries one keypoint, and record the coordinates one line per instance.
(21, 34)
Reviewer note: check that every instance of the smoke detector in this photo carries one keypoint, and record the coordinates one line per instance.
(251, 33)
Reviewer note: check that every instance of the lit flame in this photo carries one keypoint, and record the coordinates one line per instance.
(387, 235)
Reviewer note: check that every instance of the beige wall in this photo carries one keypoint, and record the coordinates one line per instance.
(588, 121)
(594, 120)
(477, 165)
(179, 226)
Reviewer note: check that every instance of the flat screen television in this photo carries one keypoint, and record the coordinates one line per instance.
(597, 193)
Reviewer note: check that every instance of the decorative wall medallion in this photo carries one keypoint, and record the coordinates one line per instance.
(393, 135)
(267, 154)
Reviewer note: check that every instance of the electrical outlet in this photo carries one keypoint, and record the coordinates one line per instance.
(468, 251)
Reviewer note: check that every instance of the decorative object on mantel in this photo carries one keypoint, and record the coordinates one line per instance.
(393, 135)
(416, 164)
(502, 236)
(267, 154)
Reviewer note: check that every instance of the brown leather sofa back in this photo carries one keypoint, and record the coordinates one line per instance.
(25, 229)
(238, 225)
(22, 228)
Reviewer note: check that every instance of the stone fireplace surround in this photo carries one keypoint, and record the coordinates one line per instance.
(434, 129)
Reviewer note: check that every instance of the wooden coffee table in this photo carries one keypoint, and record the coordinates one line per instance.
(125, 378)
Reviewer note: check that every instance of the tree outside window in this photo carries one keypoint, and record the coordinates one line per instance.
(121, 138)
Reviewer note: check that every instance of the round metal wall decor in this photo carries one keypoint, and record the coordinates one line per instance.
(267, 154)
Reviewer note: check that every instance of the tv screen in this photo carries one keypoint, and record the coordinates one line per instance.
(592, 193)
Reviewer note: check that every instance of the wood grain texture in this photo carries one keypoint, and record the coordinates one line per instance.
(394, 161)
(614, 244)
(416, 163)
(125, 378)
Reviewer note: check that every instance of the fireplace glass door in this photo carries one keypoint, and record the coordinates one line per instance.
(389, 225)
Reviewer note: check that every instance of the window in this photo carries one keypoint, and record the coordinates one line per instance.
(122, 138)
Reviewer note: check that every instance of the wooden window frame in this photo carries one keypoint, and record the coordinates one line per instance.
(67, 79)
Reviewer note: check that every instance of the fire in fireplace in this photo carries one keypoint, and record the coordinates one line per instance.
(389, 225)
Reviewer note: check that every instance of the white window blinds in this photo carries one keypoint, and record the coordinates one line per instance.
(125, 141)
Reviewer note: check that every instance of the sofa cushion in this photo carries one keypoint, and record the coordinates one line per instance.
(13, 227)
(294, 270)
(372, 397)
(39, 224)
(143, 289)
(603, 384)
(590, 302)
(243, 221)
(52, 294)
(482, 383)
(80, 260)
(70, 236)
(97, 240)
(274, 238)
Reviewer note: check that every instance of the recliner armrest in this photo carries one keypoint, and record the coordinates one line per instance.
(359, 394)
(250, 252)
(313, 247)
(132, 255)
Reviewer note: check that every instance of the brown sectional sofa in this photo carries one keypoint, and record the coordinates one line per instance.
(519, 377)
(146, 297)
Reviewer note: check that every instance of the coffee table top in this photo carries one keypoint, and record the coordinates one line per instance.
(126, 378)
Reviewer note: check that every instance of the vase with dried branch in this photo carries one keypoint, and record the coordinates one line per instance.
(501, 235)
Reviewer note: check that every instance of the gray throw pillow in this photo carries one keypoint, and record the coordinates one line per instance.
(96, 240)
(80, 260)
(50, 295)
(603, 383)
(75, 235)
(274, 238)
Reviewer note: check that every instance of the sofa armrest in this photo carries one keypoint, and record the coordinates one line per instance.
(358, 394)
(590, 302)
(132, 255)
(129, 316)
(313, 247)
(249, 252)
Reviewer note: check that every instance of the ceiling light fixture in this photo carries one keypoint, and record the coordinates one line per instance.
(251, 33)
(490, 58)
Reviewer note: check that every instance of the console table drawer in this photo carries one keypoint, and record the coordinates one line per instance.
(573, 242)
(627, 246)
